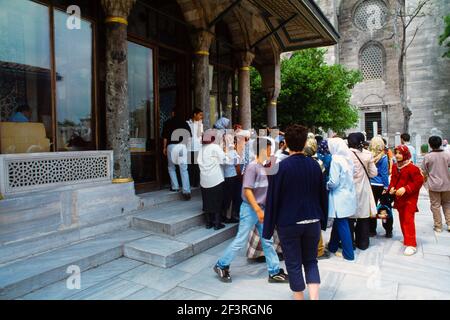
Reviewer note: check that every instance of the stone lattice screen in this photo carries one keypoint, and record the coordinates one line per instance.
(370, 14)
(371, 62)
(24, 173)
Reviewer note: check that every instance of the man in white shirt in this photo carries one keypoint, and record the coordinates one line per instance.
(405, 139)
(195, 144)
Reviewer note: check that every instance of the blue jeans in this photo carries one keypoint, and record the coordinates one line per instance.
(341, 232)
(177, 155)
(248, 219)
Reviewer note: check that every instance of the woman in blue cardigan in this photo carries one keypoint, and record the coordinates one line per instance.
(380, 183)
(297, 206)
(342, 197)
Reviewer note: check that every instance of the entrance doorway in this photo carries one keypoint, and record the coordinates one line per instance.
(174, 92)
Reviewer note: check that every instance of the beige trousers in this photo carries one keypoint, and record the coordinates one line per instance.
(438, 200)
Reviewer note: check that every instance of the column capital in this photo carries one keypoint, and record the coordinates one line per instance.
(246, 59)
(201, 41)
(117, 10)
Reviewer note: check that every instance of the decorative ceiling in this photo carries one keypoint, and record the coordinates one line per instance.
(296, 24)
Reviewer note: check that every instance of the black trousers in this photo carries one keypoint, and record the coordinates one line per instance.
(299, 243)
(388, 225)
(231, 191)
(359, 229)
(193, 169)
(212, 204)
(237, 196)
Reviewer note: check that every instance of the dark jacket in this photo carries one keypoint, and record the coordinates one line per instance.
(296, 193)
(173, 124)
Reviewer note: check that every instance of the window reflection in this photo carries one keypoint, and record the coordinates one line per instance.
(25, 77)
(73, 57)
(140, 96)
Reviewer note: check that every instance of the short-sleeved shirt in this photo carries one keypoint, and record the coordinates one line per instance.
(255, 178)
(229, 167)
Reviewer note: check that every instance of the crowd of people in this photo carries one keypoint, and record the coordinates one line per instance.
(285, 188)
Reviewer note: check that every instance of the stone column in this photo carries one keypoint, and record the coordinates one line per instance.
(202, 41)
(225, 93)
(117, 114)
(271, 110)
(245, 110)
(271, 83)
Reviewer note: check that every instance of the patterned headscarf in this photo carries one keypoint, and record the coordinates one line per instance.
(404, 151)
(323, 147)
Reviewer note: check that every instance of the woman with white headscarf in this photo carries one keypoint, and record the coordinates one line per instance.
(342, 197)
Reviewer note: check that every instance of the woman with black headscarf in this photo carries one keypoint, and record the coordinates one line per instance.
(365, 169)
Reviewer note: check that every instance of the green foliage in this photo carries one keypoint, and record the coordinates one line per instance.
(312, 93)
(445, 36)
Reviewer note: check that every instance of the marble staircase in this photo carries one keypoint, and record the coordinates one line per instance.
(162, 231)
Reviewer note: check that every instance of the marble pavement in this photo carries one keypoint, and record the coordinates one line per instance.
(381, 272)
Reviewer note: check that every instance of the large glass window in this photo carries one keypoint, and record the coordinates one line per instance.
(33, 116)
(25, 77)
(142, 113)
(140, 93)
(73, 58)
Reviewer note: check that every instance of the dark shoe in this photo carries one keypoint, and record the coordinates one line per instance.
(326, 255)
(261, 259)
(372, 234)
(209, 225)
(280, 277)
(231, 220)
(388, 235)
(224, 274)
(186, 196)
(174, 190)
(220, 226)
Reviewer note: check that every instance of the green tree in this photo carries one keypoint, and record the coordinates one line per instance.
(443, 37)
(312, 93)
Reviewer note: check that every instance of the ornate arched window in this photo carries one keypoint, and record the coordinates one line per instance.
(370, 15)
(371, 61)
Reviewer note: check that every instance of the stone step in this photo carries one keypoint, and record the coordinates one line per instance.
(155, 198)
(30, 274)
(164, 251)
(171, 218)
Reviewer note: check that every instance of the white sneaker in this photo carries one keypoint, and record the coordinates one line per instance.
(409, 251)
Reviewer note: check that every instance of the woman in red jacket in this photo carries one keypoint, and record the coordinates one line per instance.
(406, 182)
